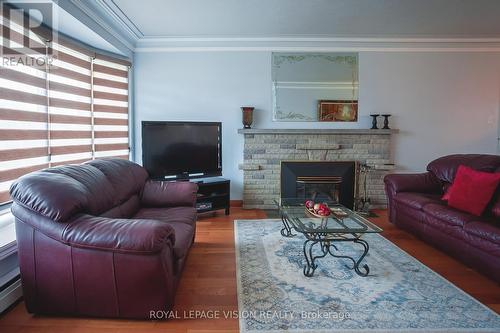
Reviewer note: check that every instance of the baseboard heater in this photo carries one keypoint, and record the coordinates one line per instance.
(10, 281)
(11, 291)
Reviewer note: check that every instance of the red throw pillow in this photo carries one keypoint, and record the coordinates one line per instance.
(472, 190)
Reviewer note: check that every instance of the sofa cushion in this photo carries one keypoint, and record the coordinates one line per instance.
(56, 196)
(448, 214)
(95, 188)
(120, 235)
(472, 190)
(417, 200)
(100, 190)
(444, 168)
(185, 215)
(169, 194)
(484, 229)
(130, 207)
(114, 212)
(126, 177)
(125, 210)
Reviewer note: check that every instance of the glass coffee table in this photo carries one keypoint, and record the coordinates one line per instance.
(326, 232)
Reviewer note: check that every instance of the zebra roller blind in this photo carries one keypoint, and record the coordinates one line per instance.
(110, 107)
(71, 111)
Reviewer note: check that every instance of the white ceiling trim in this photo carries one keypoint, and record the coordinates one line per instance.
(147, 39)
(121, 18)
(316, 44)
(93, 9)
(308, 49)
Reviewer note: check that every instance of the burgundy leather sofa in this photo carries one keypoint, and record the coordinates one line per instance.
(100, 239)
(415, 205)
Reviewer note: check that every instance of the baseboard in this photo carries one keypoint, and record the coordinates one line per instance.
(236, 203)
(10, 295)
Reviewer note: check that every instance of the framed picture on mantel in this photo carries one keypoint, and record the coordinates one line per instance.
(337, 110)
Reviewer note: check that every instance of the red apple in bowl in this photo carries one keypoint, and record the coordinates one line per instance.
(309, 204)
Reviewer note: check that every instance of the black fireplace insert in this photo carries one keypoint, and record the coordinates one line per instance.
(319, 180)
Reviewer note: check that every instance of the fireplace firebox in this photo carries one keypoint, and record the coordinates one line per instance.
(319, 180)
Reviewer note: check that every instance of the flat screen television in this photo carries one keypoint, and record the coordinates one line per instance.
(182, 150)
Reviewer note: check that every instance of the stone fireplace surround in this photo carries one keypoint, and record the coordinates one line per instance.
(265, 149)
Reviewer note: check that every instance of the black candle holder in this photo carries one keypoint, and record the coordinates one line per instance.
(386, 121)
(374, 121)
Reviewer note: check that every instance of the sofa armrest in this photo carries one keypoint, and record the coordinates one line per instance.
(418, 182)
(169, 194)
(118, 235)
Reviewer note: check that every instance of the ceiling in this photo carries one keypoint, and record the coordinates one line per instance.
(303, 18)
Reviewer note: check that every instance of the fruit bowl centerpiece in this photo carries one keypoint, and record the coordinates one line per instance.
(317, 209)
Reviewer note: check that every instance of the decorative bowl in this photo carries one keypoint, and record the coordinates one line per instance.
(320, 207)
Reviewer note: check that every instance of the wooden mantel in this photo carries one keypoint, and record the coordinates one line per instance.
(313, 131)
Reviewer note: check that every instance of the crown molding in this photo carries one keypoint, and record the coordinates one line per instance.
(163, 39)
(112, 9)
(315, 44)
(100, 16)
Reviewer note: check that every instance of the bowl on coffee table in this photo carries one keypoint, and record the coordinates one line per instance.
(320, 210)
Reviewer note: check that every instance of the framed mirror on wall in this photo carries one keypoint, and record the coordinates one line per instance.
(315, 86)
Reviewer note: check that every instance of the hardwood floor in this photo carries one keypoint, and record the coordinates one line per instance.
(209, 283)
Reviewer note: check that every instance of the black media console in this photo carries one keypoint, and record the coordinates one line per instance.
(213, 194)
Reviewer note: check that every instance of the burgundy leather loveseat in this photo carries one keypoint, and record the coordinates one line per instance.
(415, 205)
(100, 239)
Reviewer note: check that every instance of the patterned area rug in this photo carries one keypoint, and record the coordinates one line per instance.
(399, 295)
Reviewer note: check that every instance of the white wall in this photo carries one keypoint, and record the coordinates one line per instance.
(442, 103)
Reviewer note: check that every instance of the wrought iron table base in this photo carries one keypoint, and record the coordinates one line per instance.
(286, 231)
(326, 240)
(326, 248)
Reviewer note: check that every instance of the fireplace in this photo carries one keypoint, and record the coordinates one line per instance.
(319, 180)
(265, 150)
(319, 187)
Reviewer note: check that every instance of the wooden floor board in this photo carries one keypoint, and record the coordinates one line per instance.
(209, 283)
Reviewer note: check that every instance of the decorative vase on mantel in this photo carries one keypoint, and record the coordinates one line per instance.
(247, 112)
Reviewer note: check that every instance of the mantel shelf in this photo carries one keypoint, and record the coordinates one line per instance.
(312, 131)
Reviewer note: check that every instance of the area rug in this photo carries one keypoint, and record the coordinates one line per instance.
(399, 295)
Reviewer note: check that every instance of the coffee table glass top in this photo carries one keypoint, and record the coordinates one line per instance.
(295, 212)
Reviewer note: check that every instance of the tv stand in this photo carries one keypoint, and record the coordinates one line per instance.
(213, 194)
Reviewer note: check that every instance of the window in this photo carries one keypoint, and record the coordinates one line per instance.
(71, 111)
